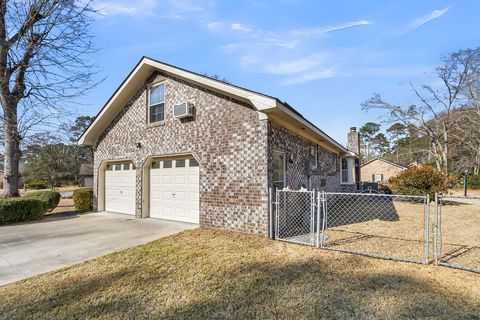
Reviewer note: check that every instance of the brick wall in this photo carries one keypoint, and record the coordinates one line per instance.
(327, 175)
(379, 167)
(226, 137)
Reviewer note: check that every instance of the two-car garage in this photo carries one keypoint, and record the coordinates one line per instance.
(173, 188)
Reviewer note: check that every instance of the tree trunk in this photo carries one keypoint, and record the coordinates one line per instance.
(445, 150)
(12, 151)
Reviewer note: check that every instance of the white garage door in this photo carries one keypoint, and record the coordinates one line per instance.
(174, 190)
(120, 188)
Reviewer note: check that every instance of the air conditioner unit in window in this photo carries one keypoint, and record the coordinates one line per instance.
(183, 110)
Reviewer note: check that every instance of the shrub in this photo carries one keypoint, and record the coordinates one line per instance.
(420, 181)
(21, 209)
(50, 198)
(473, 181)
(37, 185)
(83, 200)
(384, 188)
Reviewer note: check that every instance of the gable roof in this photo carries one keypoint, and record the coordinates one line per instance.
(279, 111)
(386, 161)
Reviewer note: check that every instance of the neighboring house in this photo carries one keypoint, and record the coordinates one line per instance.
(177, 145)
(86, 174)
(380, 170)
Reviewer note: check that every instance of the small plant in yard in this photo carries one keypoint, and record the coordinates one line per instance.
(37, 185)
(83, 200)
(21, 209)
(420, 181)
(50, 198)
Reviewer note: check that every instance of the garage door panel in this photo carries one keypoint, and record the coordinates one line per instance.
(180, 179)
(179, 193)
(193, 180)
(165, 179)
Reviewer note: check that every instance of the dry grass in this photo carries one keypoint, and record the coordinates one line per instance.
(460, 225)
(207, 274)
(396, 229)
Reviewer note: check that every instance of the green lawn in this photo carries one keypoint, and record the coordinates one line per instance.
(207, 274)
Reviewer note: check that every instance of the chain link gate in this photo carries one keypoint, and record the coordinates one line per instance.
(295, 213)
(456, 233)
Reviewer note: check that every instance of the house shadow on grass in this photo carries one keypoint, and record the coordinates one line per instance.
(345, 209)
(298, 290)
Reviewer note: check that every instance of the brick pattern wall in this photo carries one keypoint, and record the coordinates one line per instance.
(379, 167)
(226, 137)
(327, 175)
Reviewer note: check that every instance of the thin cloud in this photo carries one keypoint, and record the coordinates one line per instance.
(215, 25)
(333, 28)
(427, 18)
(126, 8)
(294, 66)
(310, 76)
(239, 27)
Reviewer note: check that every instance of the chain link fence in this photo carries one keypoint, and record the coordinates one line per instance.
(379, 225)
(457, 232)
(385, 226)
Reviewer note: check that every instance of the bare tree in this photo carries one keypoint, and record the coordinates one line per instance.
(433, 117)
(44, 50)
(467, 133)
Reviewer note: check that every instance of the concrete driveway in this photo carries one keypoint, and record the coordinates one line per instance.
(29, 249)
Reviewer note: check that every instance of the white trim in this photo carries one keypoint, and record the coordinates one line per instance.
(350, 166)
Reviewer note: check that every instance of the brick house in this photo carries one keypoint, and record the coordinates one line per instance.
(380, 170)
(177, 145)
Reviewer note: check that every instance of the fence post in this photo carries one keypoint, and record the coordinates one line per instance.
(312, 217)
(435, 231)
(277, 213)
(319, 211)
(324, 219)
(426, 233)
(270, 213)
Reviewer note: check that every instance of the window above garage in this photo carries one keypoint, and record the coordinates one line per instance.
(156, 103)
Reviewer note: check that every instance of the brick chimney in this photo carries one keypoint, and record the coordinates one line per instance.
(354, 141)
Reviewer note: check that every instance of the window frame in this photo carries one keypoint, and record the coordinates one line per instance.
(283, 155)
(149, 106)
(342, 181)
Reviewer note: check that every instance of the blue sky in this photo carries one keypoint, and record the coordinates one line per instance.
(323, 57)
